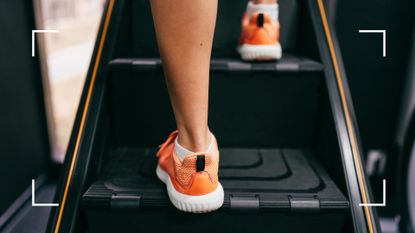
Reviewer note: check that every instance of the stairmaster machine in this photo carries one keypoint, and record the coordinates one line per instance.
(298, 169)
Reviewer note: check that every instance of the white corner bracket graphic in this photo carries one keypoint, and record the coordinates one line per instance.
(33, 37)
(383, 204)
(383, 38)
(39, 204)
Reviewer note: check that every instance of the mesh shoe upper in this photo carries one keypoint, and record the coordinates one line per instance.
(183, 174)
(259, 29)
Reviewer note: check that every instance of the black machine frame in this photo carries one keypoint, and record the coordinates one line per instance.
(78, 155)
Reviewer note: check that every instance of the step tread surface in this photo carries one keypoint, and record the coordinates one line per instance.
(271, 174)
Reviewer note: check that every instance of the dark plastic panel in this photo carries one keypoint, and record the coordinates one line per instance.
(227, 27)
(24, 140)
(248, 102)
(173, 222)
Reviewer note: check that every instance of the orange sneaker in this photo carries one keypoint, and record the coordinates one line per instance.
(259, 38)
(192, 184)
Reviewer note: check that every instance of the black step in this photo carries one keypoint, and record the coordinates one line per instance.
(140, 39)
(276, 102)
(281, 180)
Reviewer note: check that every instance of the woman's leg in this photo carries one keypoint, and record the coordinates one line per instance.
(185, 31)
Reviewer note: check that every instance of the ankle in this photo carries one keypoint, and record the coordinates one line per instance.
(196, 142)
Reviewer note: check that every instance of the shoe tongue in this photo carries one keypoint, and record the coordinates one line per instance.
(167, 143)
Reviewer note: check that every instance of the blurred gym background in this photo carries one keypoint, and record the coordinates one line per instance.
(67, 59)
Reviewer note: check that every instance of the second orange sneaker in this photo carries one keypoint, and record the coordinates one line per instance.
(259, 38)
(192, 184)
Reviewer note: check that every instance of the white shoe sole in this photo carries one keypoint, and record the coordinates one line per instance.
(194, 204)
(260, 52)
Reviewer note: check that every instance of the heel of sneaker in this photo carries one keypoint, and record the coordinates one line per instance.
(197, 204)
(192, 203)
(251, 52)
